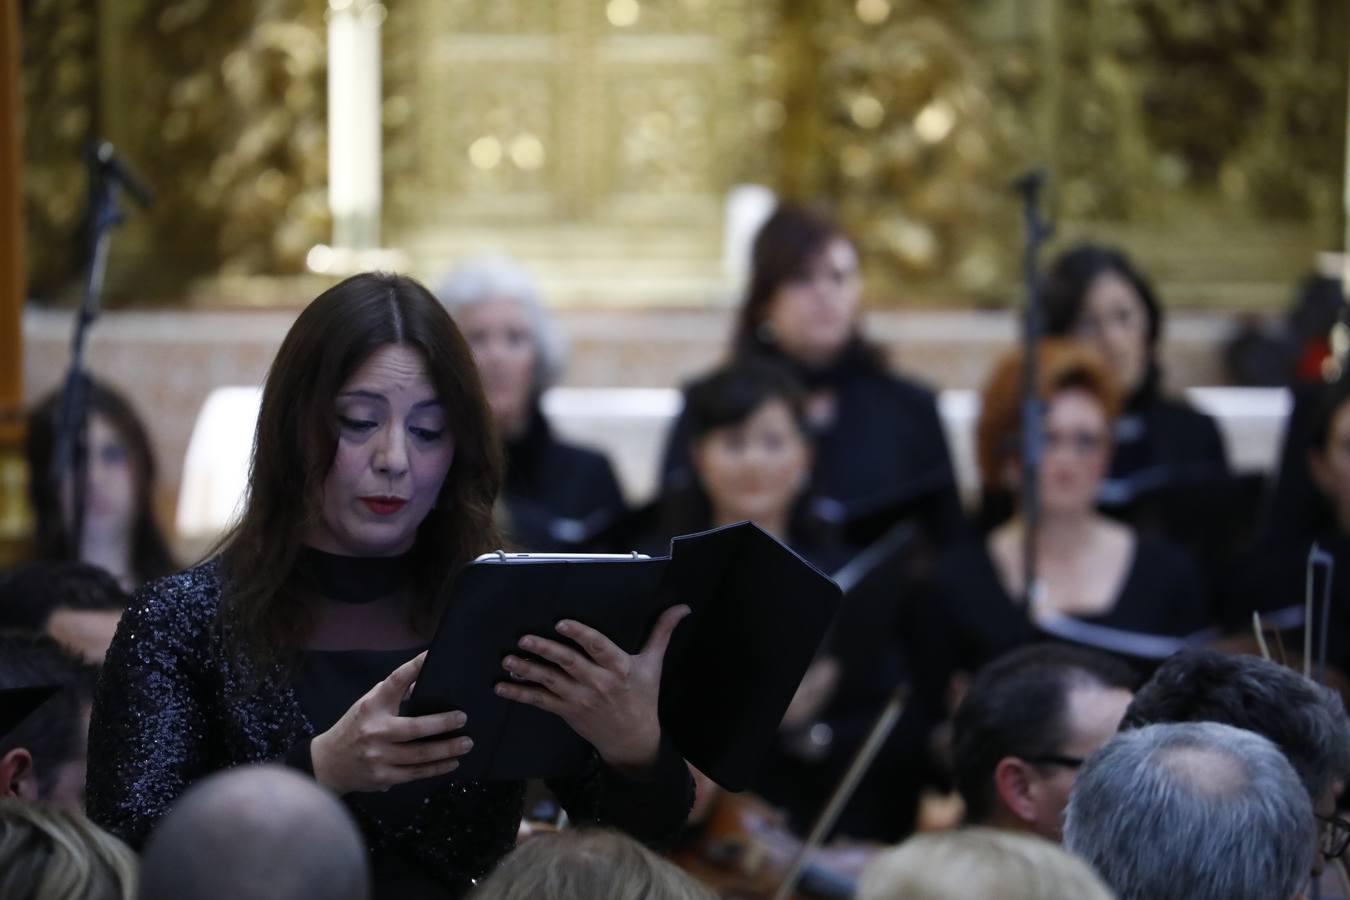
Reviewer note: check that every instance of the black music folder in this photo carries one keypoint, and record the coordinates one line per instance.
(759, 614)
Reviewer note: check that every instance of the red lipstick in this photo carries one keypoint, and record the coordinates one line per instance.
(384, 506)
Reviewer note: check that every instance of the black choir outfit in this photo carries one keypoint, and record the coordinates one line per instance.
(557, 496)
(177, 702)
(968, 618)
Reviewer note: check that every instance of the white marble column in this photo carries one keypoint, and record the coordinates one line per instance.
(354, 129)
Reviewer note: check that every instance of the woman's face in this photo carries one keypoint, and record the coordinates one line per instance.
(1331, 466)
(1115, 320)
(812, 315)
(394, 450)
(503, 345)
(1076, 452)
(110, 492)
(757, 469)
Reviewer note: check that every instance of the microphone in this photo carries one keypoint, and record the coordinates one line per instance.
(103, 159)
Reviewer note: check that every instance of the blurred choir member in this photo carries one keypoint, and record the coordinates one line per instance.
(877, 435)
(1272, 577)
(557, 496)
(119, 534)
(1098, 583)
(1097, 295)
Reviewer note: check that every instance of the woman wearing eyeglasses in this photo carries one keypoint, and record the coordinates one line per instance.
(1097, 295)
(1097, 581)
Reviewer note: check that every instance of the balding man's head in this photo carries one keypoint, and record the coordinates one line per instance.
(258, 833)
(1194, 811)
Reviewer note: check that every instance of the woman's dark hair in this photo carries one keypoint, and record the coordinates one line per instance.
(150, 557)
(783, 249)
(297, 438)
(1333, 397)
(726, 398)
(1071, 276)
(731, 395)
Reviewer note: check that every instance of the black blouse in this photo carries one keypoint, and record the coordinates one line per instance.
(558, 496)
(174, 704)
(968, 617)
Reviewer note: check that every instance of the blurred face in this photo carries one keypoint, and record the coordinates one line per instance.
(503, 345)
(1076, 452)
(394, 450)
(110, 492)
(85, 632)
(1330, 467)
(812, 316)
(1115, 320)
(757, 469)
(1094, 715)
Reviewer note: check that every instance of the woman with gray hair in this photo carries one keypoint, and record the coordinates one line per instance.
(557, 496)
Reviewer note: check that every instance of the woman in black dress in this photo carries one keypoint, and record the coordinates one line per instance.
(119, 533)
(557, 496)
(878, 437)
(1097, 295)
(374, 475)
(1098, 582)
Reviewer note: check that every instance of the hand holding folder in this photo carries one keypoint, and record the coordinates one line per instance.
(758, 614)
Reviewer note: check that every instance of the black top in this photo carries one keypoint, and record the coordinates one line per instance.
(1159, 440)
(969, 618)
(886, 438)
(176, 703)
(1271, 578)
(558, 496)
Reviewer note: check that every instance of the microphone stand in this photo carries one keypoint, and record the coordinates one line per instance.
(1036, 232)
(107, 174)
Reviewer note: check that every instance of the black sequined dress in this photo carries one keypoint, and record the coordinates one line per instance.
(175, 704)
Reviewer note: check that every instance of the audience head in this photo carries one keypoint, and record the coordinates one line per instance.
(587, 865)
(373, 439)
(1193, 811)
(1095, 293)
(55, 854)
(76, 603)
(42, 759)
(1029, 720)
(1305, 720)
(805, 292)
(256, 832)
(1080, 401)
(979, 862)
(119, 498)
(750, 442)
(519, 350)
(1329, 449)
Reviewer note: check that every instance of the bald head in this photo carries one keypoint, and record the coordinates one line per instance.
(256, 833)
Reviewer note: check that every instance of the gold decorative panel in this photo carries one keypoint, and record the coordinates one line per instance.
(597, 139)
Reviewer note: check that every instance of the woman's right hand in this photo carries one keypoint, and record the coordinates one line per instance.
(370, 748)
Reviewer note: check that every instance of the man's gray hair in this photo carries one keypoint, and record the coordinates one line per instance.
(486, 279)
(1193, 811)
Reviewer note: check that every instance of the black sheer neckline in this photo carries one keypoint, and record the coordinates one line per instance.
(353, 579)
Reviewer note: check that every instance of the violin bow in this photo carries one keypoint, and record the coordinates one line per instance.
(862, 761)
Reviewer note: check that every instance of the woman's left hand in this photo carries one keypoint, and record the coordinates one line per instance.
(607, 696)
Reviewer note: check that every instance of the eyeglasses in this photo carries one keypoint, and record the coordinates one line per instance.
(1081, 442)
(1050, 759)
(1334, 836)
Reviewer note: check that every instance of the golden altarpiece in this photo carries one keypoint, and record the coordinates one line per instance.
(597, 139)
